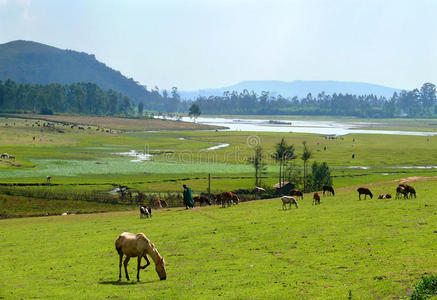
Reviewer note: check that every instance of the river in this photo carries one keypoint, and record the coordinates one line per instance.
(319, 127)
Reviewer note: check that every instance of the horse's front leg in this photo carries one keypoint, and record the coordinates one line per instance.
(148, 262)
(126, 261)
(138, 267)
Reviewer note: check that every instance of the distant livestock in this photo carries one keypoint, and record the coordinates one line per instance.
(138, 245)
(4, 156)
(202, 200)
(288, 200)
(316, 198)
(410, 190)
(385, 196)
(365, 191)
(296, 193)
(160, 202)
(229, 198)
(329, 190)
(406, 190)
(48, 178)
(145, 212)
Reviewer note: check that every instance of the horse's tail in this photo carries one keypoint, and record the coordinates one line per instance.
(118, 246)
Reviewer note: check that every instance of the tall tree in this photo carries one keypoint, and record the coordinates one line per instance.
(140, 108)
(283, 153)
(257, 161)
(306, 155)
(194, 110)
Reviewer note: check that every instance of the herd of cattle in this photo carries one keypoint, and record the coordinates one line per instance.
(229, 198)
(403, 190)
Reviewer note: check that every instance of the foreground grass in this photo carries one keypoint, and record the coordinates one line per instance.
(372, 248)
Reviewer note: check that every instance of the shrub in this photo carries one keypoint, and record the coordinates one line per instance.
(425, 288)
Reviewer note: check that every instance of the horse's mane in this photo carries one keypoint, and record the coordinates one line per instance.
(151, 245)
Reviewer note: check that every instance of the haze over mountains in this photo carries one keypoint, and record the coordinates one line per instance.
(299, 88)
(32, 62)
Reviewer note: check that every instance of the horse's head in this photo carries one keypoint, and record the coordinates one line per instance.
(160, 269)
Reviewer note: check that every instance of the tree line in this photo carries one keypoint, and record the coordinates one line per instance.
(89, 98)
(415, 103)
(78, 98)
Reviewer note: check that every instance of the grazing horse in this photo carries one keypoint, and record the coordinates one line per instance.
(145, 212)
(329, 190)
(296, 193)
(400, 190)
(202, 199)
(410, 190)
(48, 178)
(4, 156)
(365, 191)
(228, 199)
(138, 245)
(288, 200)
(316, 198)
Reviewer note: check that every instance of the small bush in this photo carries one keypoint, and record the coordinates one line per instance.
(426, 288)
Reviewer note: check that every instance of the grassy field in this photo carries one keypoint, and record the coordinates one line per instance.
(122, 123)
(372, 249)
(89, 160)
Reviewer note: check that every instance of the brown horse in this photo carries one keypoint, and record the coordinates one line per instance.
(400, 190)
(296, 193)
(316, 198)
(229, 198)
(201, 200)
(365, 191)
(138, 245)
(329, 190)
(410, 190)
(160, 202)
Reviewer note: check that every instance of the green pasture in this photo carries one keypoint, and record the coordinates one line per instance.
(89, 160)
(370, 249)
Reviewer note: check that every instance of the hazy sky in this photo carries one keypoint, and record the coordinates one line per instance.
(195, 44)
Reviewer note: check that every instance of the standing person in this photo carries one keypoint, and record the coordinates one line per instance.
(188, 198)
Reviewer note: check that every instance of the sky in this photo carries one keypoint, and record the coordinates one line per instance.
(196, 44)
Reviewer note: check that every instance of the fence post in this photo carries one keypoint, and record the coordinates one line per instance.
(209, 186)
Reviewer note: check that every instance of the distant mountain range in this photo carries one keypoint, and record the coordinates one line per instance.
(299, 88)
(31, 62)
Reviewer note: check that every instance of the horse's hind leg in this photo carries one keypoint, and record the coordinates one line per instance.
(119, 267)
(126, 261)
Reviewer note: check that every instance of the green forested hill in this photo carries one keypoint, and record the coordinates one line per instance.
(31, 62)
